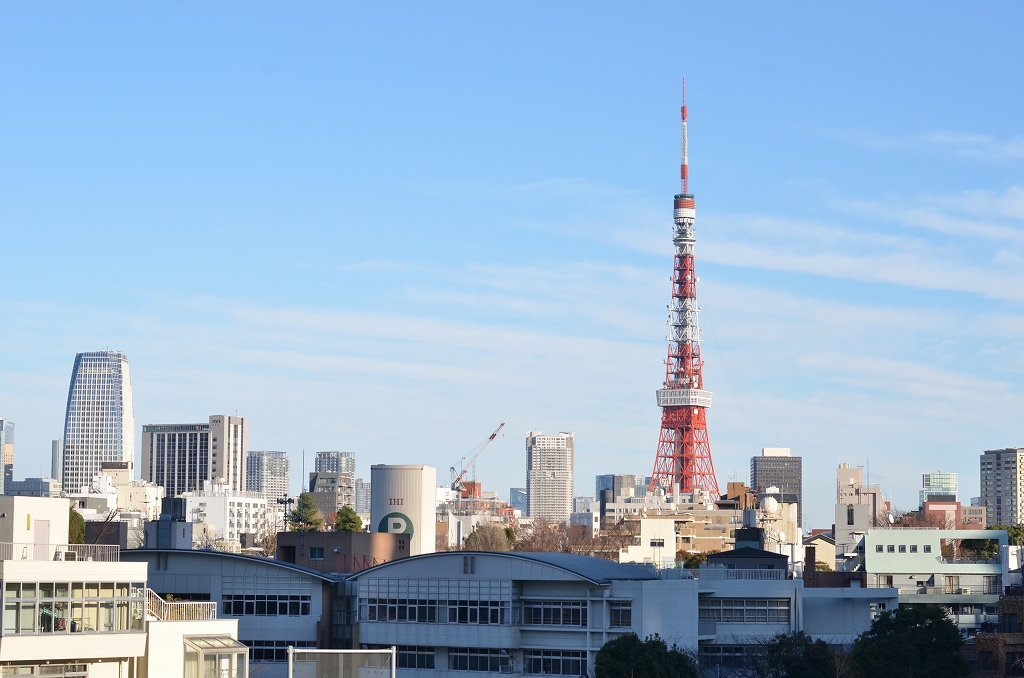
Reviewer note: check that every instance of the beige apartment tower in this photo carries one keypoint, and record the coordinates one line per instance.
(182, 457)
(549, 475)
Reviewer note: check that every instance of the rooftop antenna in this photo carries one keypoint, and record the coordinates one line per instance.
(684, 167)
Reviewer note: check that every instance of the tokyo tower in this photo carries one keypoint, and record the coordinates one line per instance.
(684, 461)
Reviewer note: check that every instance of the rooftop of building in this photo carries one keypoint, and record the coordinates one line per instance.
(594, 570)
(745, 552)
(210, 553)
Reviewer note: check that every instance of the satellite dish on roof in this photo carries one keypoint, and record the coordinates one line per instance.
(782, 537)
(770, 504)
(891, 519)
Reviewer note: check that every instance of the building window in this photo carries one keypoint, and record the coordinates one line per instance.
(878, 548)
(555, 662)
(90, 607)
(890, 549)
(434, 611)
(479, 659)
(657, 543)
(265, 606)
(274, 650)
(553, 612)
(913, 548)
(738, 611)
(316, 552)
(849, 514)
(414, 657)
(620, 614)
(927, 548)
(903, 548)
(1009, 623)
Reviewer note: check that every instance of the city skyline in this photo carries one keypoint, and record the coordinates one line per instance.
(860, 230)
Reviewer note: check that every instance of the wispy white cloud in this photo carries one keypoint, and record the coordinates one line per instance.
(962, 144)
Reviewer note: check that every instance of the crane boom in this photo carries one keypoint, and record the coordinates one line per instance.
(457, 483)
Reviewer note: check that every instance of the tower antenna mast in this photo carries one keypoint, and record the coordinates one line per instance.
(684, 162)
(683, 462)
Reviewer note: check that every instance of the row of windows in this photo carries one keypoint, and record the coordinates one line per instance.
(108, 616)
(434, 611)
(274, 650)
(75, 590)
(738, 611)
(890, 548)
(265, 606)
(477, 659)
(555, 662)
(413, 657)
(534, 612)
(553, 612)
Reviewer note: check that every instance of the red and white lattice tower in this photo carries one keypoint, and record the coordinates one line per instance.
(684, 461)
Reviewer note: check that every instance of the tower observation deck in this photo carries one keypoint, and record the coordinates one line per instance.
(683, 462)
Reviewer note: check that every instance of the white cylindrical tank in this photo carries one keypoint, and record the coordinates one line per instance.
(402, 502)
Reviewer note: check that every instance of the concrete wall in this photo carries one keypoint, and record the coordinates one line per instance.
(165, 646)
(19, 518)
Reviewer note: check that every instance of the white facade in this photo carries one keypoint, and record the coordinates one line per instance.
(334, 461)
(403, 502)
(228, 450)
(549, 475)
(274, 604)
(99, 422)
(230, 513)
(176, 456)
(528, 613)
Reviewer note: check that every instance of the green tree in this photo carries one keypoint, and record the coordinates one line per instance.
(692, 561)
(76, 527)
(348, 520)
(629, 657)
(911, 642)
(1015, 533)
(488, 537)
(306, 516)
(797, 655)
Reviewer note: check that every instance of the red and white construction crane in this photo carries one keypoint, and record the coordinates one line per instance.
(457, 480)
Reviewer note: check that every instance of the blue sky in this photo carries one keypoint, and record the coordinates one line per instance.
(387, 230)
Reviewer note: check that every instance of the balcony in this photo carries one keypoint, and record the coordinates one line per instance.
(179, 611)
(723, 574)
(74, 552)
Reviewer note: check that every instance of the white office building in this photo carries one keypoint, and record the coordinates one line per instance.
(182, 457)
(268, 474)
(99, 422)
(520, 613)
(76, 610)
(230, 513)
(549, 475)
(333, 461)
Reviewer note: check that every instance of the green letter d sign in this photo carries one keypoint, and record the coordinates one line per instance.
(395, 523)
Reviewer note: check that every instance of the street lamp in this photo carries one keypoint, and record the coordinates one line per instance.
(287, 502)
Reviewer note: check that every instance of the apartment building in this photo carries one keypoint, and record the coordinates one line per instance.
(549, 475)
(1002, 486)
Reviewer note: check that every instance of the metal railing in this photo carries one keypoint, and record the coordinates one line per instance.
(724, 574)
(179, 611)
(944, 590)
(96, 552)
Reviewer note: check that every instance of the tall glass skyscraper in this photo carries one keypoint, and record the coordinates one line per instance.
(99, 424)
